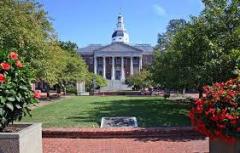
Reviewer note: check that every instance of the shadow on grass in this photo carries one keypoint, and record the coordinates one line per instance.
(149, 112)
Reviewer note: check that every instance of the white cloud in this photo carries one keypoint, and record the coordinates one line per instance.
(159, 10)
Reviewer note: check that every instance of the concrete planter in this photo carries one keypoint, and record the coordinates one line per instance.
(27, 140)
(219, 146)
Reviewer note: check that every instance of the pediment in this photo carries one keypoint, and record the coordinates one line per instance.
(119, 47)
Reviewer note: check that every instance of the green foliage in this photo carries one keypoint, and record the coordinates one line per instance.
(204, 51)
(69, 46)
(165, 38)
(165, 70)
(140, 80)
(15, 91)
(25, 25)
(75, 68)
(63, 67)
(71, 88)
(92, 79)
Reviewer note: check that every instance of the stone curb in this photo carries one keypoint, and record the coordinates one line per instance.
(119, 132)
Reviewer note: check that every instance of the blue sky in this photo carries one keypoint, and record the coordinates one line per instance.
(93, 21)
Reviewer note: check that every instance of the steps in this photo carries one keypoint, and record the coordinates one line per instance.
(115, 85)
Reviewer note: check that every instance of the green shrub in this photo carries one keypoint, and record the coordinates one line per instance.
(15, 89)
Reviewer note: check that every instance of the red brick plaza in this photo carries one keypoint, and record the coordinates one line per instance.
(160, 140)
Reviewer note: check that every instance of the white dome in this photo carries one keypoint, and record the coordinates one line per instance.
(120, 34)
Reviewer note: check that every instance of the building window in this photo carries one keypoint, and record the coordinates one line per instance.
(91, 60)
(118, 60)
(135, 61)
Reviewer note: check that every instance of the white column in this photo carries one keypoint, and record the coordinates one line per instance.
(131, 65)
(104, 67)
(113, 68)
(140, 63)
(95, 65)
(122, 69)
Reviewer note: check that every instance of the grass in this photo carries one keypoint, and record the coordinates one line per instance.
(87, 111)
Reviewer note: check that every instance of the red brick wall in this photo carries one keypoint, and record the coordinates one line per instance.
(89, 59)
(147, 60)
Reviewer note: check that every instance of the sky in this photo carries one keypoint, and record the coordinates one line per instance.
(93, 21)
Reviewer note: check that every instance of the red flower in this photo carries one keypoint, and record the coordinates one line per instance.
(231, 93)
(234, 122)
(218, 133)
(210, 111)
(229, 116)
(221, 126)
(230, 82)
(19, 64)
(37, 94)
(5, 66)
(13, 55)
(219, 84)
(2, 78)
(206, 89)
(214, 117)
(222, 115)
(217, 111)
(199, 102)
(199, 109)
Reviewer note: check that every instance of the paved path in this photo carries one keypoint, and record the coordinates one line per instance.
(124, 145)
(47, 102)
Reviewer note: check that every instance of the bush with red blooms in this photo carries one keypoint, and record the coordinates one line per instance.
(16, 94)
(217, 113)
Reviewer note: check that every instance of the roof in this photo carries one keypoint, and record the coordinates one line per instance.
(90, 48)
(116, 46)
(145, 47)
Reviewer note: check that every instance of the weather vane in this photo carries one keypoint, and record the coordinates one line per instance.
(120, 11)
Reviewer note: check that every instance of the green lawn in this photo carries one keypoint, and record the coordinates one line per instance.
(87, 111)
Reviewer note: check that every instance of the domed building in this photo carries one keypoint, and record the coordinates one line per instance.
(120, 34)
(118, 60)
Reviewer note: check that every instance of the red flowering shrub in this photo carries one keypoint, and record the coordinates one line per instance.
(217, 114)
(15, 89)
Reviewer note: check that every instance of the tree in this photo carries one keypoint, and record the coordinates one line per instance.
(95, 81)
(75, 68)
(165, 70)
(25, 26)
(206, 49)
(175, 25)
(139, 80)
(165, 38)
(69, 46)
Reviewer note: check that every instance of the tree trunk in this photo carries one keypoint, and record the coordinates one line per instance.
(65, 91)
(184, 91)
(58, 88)
(200, 91)
(48, 92)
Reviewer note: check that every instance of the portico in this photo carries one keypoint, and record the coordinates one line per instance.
(117, 67)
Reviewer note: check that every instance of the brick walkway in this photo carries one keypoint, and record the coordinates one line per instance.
(125, 145)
